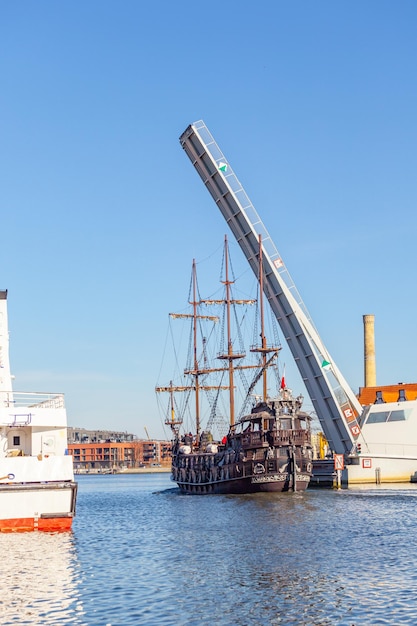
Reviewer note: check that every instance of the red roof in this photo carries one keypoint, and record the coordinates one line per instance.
(388, 393)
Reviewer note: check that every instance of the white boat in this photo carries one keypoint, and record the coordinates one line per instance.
(386, 449)
(37, 488)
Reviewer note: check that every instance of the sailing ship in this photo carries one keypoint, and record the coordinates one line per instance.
(266, 449)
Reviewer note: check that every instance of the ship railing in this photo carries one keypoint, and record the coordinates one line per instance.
(260, 439)
(21, 419)
(254, 440)
(38, 400)
(297, 437)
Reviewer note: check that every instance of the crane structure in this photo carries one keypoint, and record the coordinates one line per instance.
(334, 402)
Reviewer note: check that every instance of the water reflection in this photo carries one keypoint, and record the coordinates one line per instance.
(39, 579)
(142, 554)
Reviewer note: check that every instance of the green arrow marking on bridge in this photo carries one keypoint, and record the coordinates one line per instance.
(223, 166)
(326, 365)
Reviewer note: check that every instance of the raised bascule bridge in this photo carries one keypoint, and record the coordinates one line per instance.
(377, 444)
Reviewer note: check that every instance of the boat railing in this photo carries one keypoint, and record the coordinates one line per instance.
(38, 400)
(287, 437)
(259, 439)
(254, 439)
(21, 419)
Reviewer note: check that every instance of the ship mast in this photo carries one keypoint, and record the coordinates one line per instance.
(230, 356)
(195, 372)
(264, 349)
(263, 338)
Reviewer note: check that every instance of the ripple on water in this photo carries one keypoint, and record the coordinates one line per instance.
(142, 553)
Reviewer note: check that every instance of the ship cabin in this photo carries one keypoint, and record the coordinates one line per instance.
(271, 426)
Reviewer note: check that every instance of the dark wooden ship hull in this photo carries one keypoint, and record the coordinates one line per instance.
(279, 470)
(272, 483)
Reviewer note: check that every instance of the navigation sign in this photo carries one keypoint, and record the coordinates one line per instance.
(223, 166)
(339, 462)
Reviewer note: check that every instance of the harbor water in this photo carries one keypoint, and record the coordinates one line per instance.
(141, 553)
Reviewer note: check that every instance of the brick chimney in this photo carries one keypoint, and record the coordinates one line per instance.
(369, 350)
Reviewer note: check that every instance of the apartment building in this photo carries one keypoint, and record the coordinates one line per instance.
(99, 451)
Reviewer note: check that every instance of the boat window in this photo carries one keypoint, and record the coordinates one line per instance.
(268, 424)
(286, 423)
(16, 441)
(377, 418)
(397, 416)
(387, 416)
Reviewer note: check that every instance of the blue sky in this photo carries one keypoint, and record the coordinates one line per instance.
(314, 105)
